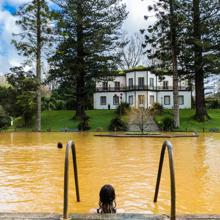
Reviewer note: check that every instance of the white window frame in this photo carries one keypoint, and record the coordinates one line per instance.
(131, 99)
(179, 98)
(115, 100)
(105, 98)
(117, 85)
(165, 84)
(130, 85)
(141, 79)
(151, 82)
(152, 96)
(166, 96)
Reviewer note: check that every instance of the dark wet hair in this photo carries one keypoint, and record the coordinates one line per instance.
(107, 202)
(59, 145)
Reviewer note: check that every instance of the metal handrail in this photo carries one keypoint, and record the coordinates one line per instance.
(167, 145)
(69, 145)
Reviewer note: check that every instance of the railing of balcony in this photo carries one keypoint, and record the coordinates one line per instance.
(139, 88)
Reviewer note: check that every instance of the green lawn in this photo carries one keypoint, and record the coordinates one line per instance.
(59, 120)
(187, 121)
(100, 120)
(63, 120)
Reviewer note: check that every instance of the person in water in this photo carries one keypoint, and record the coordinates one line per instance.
(107, 202)
(59, 145)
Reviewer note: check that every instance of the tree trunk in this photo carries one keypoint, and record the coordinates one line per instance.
(201, 112)
(80, 81)
(174, 61)
(38, 67)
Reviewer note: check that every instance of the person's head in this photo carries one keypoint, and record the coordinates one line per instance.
(59, 145)
(107, 202)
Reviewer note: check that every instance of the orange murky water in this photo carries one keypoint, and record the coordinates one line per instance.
(31, 173)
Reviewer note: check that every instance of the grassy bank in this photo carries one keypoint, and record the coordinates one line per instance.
(63, 120)
(188, 123)
(100, 120)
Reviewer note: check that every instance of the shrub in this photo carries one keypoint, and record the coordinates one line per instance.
(213, 103)
(167, 124)
(84, 124)
(156, 108)
(4, 118)
(117, 124)
(123, 109)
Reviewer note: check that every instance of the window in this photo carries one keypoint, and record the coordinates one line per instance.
(151, 82)
(115, 100)
(181, 100)
(103, 100)
(117, 85)
(105, 85)
(130, 99)
(130, 82)
(141, 100)
(165, 84)
(141, 81)
(166, 100)
(151, 99)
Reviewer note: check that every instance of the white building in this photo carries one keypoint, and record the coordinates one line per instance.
(140, 88)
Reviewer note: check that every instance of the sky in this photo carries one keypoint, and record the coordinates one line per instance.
(8, 54)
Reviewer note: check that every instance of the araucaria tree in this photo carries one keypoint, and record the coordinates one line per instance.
(206, 43)
(34, 20)
(88, 33)
(161, 41)
(197, 24)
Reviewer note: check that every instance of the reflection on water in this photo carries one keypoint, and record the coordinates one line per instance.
(31, 173)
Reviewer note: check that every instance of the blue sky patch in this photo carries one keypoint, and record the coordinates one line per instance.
(10, 8)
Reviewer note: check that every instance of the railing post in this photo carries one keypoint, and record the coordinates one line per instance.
(69, 145)
(167, 145)
(75, 172)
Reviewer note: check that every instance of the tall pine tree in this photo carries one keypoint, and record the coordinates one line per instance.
(198, 42)
(34, 19)
(88, 32)
(162, 42)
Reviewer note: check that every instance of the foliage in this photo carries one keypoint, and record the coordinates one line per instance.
(4, 118)
(117, 124)
(156, 108)
(167, 124)
(7, 100)
(213, 103)
(27, 41)
(123, 109)
(34, 40)
(24, 86)
(88, 32)
(198, 52)
(84, 124)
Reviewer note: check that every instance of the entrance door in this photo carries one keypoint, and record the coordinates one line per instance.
(140, 100)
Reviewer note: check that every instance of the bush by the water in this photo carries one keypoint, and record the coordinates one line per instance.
(4, 118)
(84, 124)
(167, 124)
(117, 124)
(156, 108)
(213, 103)
(123, 109)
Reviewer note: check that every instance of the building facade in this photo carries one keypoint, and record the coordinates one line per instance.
(140, 89)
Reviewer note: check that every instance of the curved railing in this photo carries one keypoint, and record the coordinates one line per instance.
(167, 145)
(70, 145)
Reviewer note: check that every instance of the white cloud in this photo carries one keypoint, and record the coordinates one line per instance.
(137, 9)
(8, 54)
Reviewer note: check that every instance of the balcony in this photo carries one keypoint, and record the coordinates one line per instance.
(140, 88)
